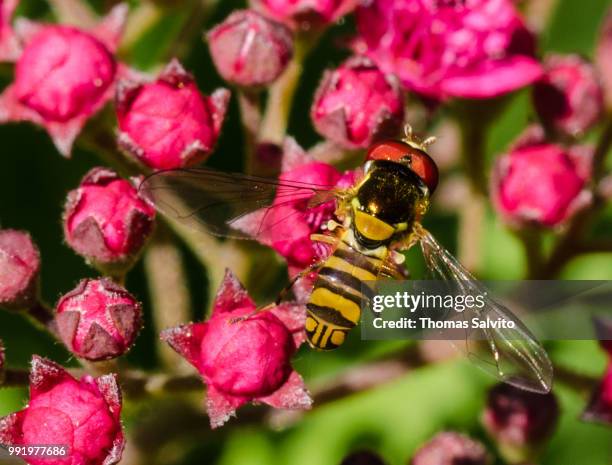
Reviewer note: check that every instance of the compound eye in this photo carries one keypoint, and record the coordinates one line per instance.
(415, 158)
(424, 166)
(390, 150)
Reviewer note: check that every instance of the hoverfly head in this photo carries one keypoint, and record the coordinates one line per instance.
(411, 151)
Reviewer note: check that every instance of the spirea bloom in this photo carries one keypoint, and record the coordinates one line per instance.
(469, 49)
(568, 97)
(168, 123)
(106, 220)
(290, 221)
(98, 320)
(357, 103)
(541, 183)
(244, 355)
(249, 49)
(600, 406)
(450, 448)
(305, 14)
(81, 415)
(19, 269)
(518, 420)
(63, 76)
(9, 45)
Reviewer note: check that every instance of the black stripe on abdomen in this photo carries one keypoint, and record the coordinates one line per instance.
(355, 258)
(346, 279)
(330, 315)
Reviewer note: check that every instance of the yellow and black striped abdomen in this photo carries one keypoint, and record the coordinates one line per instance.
(335, 303)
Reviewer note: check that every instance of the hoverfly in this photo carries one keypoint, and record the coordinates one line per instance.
(379, 216)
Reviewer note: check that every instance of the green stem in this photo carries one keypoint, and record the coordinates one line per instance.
(601, 151)
(141, 19)
(170, 299)
(215, 255)
(473, 145)
(75, 12)
(42, 316)
(472, 215)
(534, 254)
(250, 116)
(281, 94)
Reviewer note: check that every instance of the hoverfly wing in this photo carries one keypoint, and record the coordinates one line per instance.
(512, 354)
(218, 200)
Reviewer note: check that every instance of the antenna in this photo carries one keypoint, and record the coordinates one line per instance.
(415, 141)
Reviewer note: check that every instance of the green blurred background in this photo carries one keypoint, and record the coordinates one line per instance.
(393, 419)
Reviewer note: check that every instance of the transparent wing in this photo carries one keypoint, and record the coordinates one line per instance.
(513, 355)
(219, 200)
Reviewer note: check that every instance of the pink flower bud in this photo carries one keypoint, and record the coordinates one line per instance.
(9, 45)
(305, 14)
(541, 183)
(603, 58)
(357, 104)
(19, 269)
(63, 76)
(449, 448)
(106, 220)
(244, 355)
(468, 49)
(568, 98)
(289, 223)
(519, 421)
(98, 320)
(249, 49)
(81, 415)
(168, 123)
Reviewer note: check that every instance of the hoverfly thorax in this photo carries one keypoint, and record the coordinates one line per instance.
(387, 203)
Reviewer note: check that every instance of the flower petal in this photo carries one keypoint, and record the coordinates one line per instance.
(291, 395)
(231, 295)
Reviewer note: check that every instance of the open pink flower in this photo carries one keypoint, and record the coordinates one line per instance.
(288, 224)
(600, 406)
(19, 269)
(81, 415)
(442, 49)
(243, 355)
(168, 123)
(63, 76)
(356, 104)
(98, 319)
(569, 97)
(305, 14)
(106, 220)
(541, 183)
(9, 45)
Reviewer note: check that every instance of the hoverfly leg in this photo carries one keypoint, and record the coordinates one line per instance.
(305, 272)
(326, 239)
(392, 270)
(331, 226)
(253, 313)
